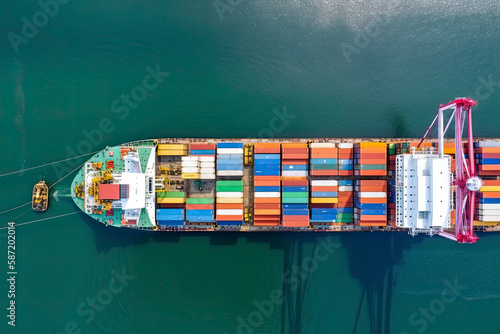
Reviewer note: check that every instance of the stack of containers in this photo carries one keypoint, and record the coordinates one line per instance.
(207, 167)
(172, 149)
(190, 167)
(170, 217)
(346, 202)
(324, 201)
(324, 158)
(370, 202)
(391, 159)
(267, 160)
(370, 159)
(391, 203)
(200, 210)
(171, 199)
(230, 159)
(345, 158)
(229, 202)
(488, 202)
(487, 157)
(295, 192)
(202, 149)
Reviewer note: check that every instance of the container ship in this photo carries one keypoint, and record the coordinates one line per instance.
(310, 184)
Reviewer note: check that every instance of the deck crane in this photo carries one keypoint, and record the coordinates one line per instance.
(466, 180)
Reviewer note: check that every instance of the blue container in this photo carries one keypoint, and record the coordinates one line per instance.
(488, 161)
(170, 222)
(267, 188)
(267, 156)
(296, 212)
(323, 211)
(230, 156)
(345, 210)
(370, 206)
(346, 161)
(323, 217)
(267, 162)
(201, 219)
(345, 183)
(370, 212)
(229, 145)
(323, 221)
(292, 189)
(229, 167)
(295, 206)
(294, 200)
(203, 212)
(324, 194)
(323, 161)
(170, 217)
(170, 211)
(202, 152)
(346, 167)
(230, 161)
(229, 222)
(489, 200)
(295, 167)
(267, 167)
(268, 172)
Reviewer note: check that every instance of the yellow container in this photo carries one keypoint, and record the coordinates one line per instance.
(325, 200)
(170, 200)
(230, 200)
(489, 188)
(372, 144)
(172, 152)
(190, 175)
(172, 147)
(480, 223)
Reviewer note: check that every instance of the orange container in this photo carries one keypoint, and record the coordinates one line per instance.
(292, 156)
(371, 223)
(489, 167)
(492, 194)
(372, 217)
(294, 145)
(267, 206)
(199, 206)
(372, 183)
(324, 188)
(294, 161)
(297, 218)
(297, 223)
(267, 217)
(346, 172)
(267, 178)
(346, 155)
(365, 200)
(266, 223)
(488, 150)
(491, 182)
(267, 212)
(371, 188)
(267, 150)
(225, 206)
(266, 183)
(371, 172)
(229, 217)
(266, 200)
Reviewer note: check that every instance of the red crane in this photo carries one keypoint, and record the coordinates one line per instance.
(466, 180)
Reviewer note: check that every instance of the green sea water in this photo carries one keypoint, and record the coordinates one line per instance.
(273, 68)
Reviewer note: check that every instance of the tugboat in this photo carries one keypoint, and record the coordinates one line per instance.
(40, 199)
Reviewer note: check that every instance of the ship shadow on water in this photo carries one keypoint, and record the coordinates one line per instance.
(371, 259)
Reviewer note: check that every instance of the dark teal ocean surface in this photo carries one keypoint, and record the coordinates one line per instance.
(275, 68)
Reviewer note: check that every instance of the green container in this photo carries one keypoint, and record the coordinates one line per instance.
(347, 216)
(295, 195)
(200, 201)
(392, 146)
(171, 194)
(370, 167)
(294, 200)
(345, 220)
(229, 188)
(392, 151)
(229, 183)
(324, 167)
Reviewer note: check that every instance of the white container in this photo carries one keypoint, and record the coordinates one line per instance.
(329, 183)
(230, 172)
(228, 212)
(229, 151)
(190, 163)
(371, 194)
(207, 164)
(489, 218)
(488, 143)
(489, 206)
(488, 212)
(206, 159)
(230, 194)
(345, 188)
(189, 158)
(321, 145)
(294, 173)
(207, 170)
(207, 176)
(346, 145)
(190, 170)
(274, 194)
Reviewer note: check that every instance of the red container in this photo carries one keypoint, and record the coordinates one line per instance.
(296, 223)
(267, 206)
(324, 205)
(325, 172)
(267, 150)
(294, 162)
(297, 156)
(266, 183)
(346, 172)
(295, 151)
(324, 188)
(266, 223)
(294, 182)
(201, 146)
(199, 206)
